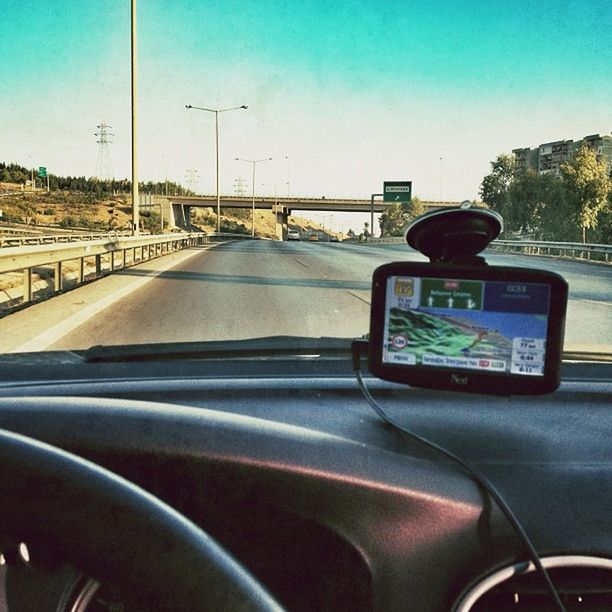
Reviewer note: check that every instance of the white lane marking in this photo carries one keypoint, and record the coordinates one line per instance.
(355, 295)
(58, 331)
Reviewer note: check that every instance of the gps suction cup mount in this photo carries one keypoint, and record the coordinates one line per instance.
(454, 235)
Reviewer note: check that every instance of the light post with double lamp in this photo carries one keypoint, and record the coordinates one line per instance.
(217, 111)
(254, 162)
(323, 218)
(275, 188)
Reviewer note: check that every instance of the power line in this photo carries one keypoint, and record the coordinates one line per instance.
(240, 186)
(104, 166)
(192, 178)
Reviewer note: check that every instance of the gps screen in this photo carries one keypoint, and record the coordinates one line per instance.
(485, 325)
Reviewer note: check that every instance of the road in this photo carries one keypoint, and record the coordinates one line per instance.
(247, 289)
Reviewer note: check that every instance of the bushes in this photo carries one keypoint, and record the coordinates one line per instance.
(232, 227)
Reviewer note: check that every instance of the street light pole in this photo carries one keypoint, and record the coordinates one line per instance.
(287, 158)
(372, 211)
(275, 188)
(216, 111)
(253, 209)
(135, 197)
(254, 162)
(217, 191)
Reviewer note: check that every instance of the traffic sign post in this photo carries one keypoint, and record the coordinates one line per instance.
(374, 195)
(42, 173)
(397, 191)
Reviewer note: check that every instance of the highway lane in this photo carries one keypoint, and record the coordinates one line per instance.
(237, 290)
(247, 289)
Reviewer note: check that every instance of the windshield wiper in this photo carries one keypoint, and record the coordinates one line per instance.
(281, 346)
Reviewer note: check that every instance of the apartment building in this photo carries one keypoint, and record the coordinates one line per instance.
(548, 157)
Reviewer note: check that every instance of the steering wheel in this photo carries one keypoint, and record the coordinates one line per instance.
(117, 532)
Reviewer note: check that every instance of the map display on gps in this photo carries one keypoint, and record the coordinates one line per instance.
(494, 326)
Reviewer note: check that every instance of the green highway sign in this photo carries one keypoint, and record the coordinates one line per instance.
(451, 294)
(397, 191)
(42, 171)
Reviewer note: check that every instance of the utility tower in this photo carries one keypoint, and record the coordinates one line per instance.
(192, 178)
(104, 167)
(240, 186)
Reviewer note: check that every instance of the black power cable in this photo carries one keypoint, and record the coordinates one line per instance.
(359, 347)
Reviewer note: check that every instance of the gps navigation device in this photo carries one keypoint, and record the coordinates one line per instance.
(472, 328)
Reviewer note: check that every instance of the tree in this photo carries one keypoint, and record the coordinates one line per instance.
(415, 208)
(532, 198)
(394, 220)
(555, 217)
(495, 187)
(6, 176)
(604, 234)
(587, 185)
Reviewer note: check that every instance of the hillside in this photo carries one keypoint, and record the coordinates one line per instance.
(65, 209)
(93, 212)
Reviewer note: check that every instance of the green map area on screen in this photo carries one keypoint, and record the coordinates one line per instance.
(445, 335)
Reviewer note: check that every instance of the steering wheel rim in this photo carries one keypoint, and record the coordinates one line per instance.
(115, 531)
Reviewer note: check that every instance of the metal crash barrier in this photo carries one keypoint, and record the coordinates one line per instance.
(576, 250)
(86, 261)
(16, 238)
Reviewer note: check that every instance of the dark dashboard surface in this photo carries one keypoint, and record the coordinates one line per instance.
(283, 461)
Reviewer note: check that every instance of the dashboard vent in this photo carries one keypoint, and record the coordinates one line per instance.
(584, 585)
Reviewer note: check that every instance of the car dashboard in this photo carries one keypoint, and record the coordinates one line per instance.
(283, 462)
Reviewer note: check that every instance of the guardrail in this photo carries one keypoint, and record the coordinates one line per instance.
(13, 231)
(101, 256)
(577, 250)
(216, 237)
(40, 238)
(89, 259)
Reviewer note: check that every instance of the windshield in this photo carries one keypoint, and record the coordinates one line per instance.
(179, 172)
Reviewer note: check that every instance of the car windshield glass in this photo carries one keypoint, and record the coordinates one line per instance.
(183, 171)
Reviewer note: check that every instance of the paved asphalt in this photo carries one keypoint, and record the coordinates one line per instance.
(247, 289)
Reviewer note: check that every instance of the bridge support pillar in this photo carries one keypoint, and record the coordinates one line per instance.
(166, 210)
(282, 219)
(179, 216)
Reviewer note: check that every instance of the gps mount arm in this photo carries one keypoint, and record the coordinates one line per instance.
(454, 235)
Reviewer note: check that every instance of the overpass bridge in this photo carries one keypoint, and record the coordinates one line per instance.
(177, 209)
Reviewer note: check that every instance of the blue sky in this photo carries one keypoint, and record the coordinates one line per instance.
(343, 95)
